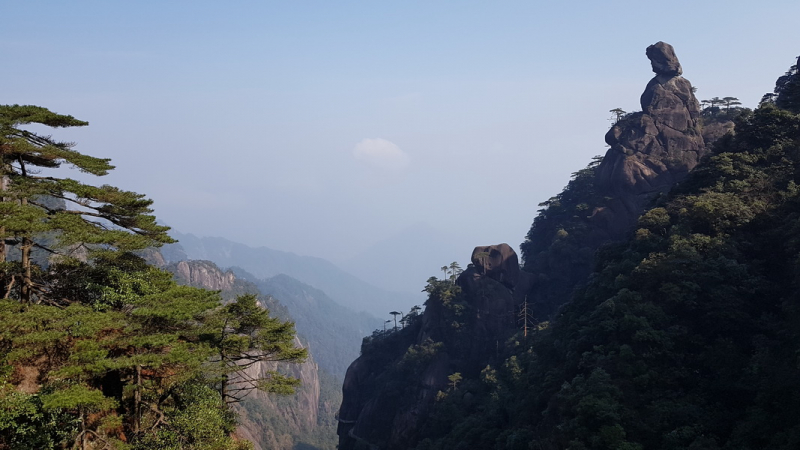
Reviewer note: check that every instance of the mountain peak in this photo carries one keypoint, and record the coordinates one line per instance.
(662, 58)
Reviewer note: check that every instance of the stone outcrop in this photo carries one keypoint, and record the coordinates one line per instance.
(498, 262)
(204, 274)
(651, 150)
(787, 89)
(300, 412)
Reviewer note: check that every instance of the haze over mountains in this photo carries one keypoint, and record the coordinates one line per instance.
(263, 263)
(405, 260)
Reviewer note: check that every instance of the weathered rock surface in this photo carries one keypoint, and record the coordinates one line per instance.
(204, 274)
(663, 60)
(651, 150)
(300, 412)
(713, 130)
(498, 262)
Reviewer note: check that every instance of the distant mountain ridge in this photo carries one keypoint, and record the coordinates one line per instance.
(334, 332)
(264, 263)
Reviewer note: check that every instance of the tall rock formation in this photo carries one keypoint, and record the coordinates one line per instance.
(390, 389)
(787, 89)
(275, 422)
(651, 150)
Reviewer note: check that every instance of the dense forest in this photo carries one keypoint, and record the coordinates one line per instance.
(685, 337)
(682, 335)
(98, 349)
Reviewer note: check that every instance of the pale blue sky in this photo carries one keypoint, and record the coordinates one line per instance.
(240, 119)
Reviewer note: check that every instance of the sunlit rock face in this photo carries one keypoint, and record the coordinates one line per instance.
(299, 412)
(654, 149)
(266, 420)
(204, 274)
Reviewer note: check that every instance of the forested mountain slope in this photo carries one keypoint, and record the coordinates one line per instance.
(333, 332)
(683, 332)
(685, 336)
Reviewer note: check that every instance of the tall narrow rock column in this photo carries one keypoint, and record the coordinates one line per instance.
(653, 149)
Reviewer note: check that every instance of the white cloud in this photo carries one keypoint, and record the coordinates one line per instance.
(381, 153)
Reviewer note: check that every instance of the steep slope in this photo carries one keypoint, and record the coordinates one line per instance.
(650, 151)
(263, 262)
(787, 89)
(685, 337)
(393, 386)
(270, 421)
(461, 362)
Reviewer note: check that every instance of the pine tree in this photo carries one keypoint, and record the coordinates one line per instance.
(242, 334)
(92, 217)
(730, 101)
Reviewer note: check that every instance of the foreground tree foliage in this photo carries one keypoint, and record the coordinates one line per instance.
(242, 334)
(105, 351)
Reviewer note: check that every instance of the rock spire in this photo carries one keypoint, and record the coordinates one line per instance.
(650, 151)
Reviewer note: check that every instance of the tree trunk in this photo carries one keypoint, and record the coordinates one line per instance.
(223, 389)
(25, 289)
(83, 429)
(3, 188)
(137, 401)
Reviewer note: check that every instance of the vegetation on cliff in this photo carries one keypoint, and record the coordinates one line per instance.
(685, 336)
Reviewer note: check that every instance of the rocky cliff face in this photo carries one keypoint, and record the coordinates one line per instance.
(204, 274)
(650, 151)
(299, 413)
(390, 389)
(787, 90)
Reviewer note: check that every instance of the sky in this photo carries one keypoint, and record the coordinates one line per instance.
(325, 127)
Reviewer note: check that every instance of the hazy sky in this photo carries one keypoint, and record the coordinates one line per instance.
(323, 127)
